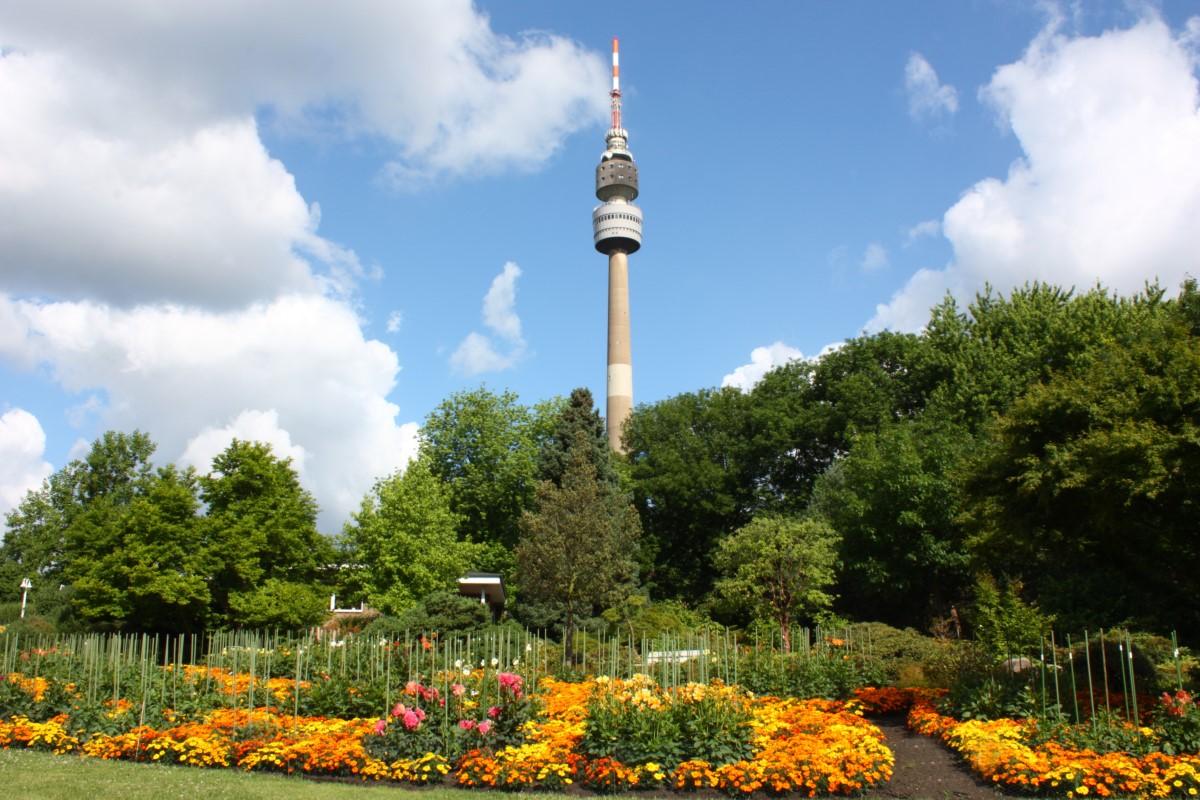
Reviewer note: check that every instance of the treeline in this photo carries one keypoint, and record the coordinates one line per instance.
(113, 543)
(1047, 441)
(1040, 447)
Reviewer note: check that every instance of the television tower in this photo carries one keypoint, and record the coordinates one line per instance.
(617, 232)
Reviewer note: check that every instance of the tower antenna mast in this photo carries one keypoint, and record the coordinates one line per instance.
(617, 232)
(615, 94)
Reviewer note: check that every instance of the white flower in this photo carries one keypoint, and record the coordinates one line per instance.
(458, 663)
(516, 662)
(495, 661)
(528, 648)
(482, 663)
(466, 670)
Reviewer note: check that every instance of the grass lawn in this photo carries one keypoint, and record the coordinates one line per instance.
(30, 775)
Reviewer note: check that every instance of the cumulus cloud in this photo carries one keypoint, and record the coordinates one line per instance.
(875, 258)
(394, 321)
(22, 466)
(479, 353)
(1107, 188)
(249, 426)
(296, 372)
(762, 361)
(178, 272)
(927, 96)
(131, 166)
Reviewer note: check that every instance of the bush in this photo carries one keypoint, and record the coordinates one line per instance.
(639, 723)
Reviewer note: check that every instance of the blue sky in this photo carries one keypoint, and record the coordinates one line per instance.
(276, 221)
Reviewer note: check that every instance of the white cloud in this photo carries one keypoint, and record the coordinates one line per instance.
(478, 353)
(394, 321)
(131, 167)
(875, 258)
(1108, 187)
(927, 97)
(296, 371)
(22, 467)
(929, 227)
(499, 304)
(249, 426)
(762, 361)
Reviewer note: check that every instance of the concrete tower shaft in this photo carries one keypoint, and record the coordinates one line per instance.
(617, 232)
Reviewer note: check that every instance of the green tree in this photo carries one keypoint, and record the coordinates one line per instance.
(577, 544)
(893, 499)
(692, 484)
(1085, 489)
(778, 568)
(144, 567)
(405, 538)
(279, 605)
(485, 447)
(261, 524)
(82, 502)
(578, 416)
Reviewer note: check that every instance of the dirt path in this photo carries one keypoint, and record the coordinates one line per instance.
(927, 770)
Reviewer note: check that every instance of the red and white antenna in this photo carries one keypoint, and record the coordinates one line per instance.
(615, 94)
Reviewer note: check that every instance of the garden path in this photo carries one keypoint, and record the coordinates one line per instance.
(927, 770)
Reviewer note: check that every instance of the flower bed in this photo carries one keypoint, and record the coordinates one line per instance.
(1008, 754)
(805, 747)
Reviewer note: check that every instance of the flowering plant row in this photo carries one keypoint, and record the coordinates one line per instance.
(812, 747)
(1008, 753)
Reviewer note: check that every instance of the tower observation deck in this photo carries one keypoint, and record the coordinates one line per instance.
(617, 232)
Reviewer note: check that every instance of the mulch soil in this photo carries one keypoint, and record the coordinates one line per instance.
(926, 769)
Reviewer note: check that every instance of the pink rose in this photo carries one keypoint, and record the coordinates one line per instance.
(494, 712)
(484, 727)
(466, 724)
(412, 687)
(458, 690)
(411, 720)
(380, 727)
(398, 709)
(420, 712)
(510, 681)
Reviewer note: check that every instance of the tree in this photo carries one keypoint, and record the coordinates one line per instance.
(485, 447)
(577, 544)
(405, 538)
(144, 567)
(1086, 488)
(280, 605)
(779, 568)
(82, 503)
(893, 499)
(261, 524)
(692, 484)
(578, 416)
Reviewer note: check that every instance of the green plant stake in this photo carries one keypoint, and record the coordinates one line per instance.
(1087, 656)
(1074, 690)
(1133, 683)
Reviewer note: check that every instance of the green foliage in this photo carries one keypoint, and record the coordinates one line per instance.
(710, 727)
(988, 693)
(1003, 624)
(446, 613)
(778, 568)
(405, 537)
(1094, 468)
(578, 417)
(576, 547)
(279, 605)
(1177, 723)
(689, 465)
(1103, 733)
(833, 675)
(893, 500)
(485, 446)
(640, 619)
